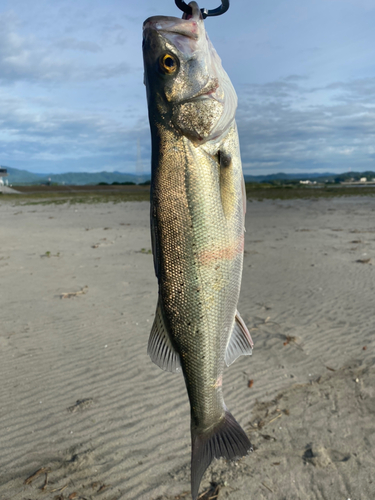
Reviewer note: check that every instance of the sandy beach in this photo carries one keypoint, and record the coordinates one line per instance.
(82, 404)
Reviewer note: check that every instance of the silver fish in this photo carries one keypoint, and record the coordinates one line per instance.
(197, 227)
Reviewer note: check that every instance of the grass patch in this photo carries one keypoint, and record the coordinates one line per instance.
(75, 198)
(74, 195)
(261, 192)
(49, 254)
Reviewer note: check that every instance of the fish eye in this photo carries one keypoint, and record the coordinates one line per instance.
(168, 64)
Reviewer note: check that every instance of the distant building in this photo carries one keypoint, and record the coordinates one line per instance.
(363, 179)
(3, 173)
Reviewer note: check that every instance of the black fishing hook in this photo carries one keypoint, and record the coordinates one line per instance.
(205, 12)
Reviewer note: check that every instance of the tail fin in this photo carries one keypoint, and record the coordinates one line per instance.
(227, 440)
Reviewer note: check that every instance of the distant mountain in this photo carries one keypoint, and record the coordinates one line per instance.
(81, 178)
(17, 176)
(281, 176)
(20, 177)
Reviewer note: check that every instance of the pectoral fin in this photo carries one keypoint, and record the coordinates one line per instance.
(160, 347)
(240, 342)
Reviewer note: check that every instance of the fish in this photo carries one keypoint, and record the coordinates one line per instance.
(198, 204)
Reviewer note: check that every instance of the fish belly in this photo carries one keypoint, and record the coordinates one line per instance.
(198, 220)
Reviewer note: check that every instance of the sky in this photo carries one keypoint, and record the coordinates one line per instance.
(72, 97)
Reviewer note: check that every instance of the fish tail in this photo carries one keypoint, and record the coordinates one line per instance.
(227, 439)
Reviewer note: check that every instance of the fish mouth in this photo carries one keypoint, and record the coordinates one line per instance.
(189, 26)
(172, 25)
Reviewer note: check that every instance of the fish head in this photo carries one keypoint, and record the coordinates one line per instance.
(186, 84)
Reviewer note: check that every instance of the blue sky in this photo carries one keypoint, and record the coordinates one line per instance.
(72, 95)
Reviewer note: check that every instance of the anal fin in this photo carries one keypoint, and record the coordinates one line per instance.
(240, 342)
(160, 347)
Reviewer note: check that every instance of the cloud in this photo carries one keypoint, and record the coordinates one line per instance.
(282, 124)
(113, 33)
(76, 140)
(359, 90)
(74, 44)
(25, 58)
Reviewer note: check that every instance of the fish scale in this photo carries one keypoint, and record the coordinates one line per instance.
(197, 226)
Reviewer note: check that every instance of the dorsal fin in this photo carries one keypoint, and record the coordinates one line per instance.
(240, 342)
(160, 347)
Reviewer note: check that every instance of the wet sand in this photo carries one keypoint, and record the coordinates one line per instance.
(81, 402)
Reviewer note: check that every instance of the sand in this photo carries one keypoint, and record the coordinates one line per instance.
(81, 402)
(8, 190)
